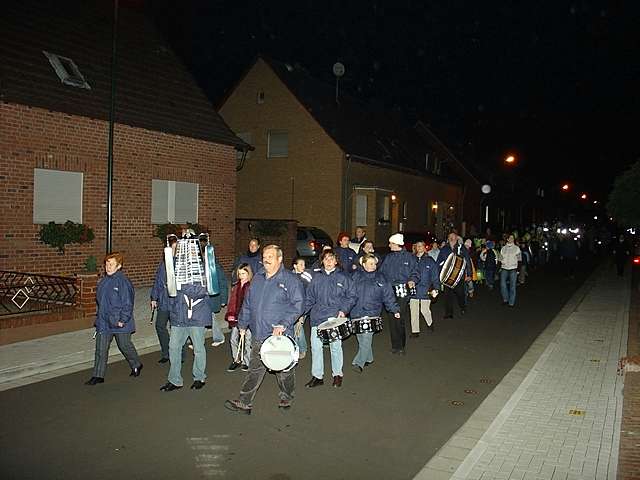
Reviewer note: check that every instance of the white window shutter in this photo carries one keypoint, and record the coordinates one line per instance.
(159, 204)
(186, 202)
(57, 196)
(278, 143)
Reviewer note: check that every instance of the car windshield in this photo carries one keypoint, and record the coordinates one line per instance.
(319, 234)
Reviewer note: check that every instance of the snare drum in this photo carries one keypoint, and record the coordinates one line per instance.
(335, 329)
(400, 290)
(367, 324)
(279, 353)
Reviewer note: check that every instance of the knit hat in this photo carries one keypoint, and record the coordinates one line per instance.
(490, 244)
(397, 238)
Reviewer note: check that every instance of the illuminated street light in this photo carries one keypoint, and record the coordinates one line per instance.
(393, 197)
(583, 196)
(595, 202)
(565, 187)
(510, 159)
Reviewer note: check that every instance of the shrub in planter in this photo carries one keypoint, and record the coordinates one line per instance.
(60, 235)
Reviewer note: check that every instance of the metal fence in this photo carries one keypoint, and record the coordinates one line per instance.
(32, 292)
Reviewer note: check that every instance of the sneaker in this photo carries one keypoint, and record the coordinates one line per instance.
(233, 367)
(284, 404)
(237, 406)
(314, 382)
(216, 343)
(245, 368)
(302, 355)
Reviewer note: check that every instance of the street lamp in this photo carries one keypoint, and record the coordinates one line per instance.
(565, 187)
(510, 159)
(583, 196)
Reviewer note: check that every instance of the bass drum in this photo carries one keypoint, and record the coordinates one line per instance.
(453, 270)
(279, 353)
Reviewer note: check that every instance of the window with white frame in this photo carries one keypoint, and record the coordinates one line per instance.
(277, 143)
(384, 208)
(67, 71)
(57, 196)
(361, 210)
(174, 202)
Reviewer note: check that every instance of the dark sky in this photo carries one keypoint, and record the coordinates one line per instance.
(554, 82)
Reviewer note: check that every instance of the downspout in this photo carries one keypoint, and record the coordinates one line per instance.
(345, 196)
(112, 108)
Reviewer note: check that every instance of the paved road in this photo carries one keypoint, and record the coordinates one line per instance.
(385, 423)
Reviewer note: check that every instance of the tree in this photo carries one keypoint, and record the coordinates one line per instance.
(624, 199)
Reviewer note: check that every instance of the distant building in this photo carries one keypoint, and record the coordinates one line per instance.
(335, 164)
(174, 157)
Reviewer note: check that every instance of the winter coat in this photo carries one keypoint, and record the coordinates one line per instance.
(400, 267)
(328, 294)
(278, 300)
(238, 292)
(347, 259)
(115, 297)
(429, 277)
(196, 297)
(373, 292)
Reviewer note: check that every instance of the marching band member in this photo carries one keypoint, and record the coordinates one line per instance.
(454, 246)
(244, 275)
(400, 269)
(346, 255)
(330, 294)
(160, 302)
(367, 247)
(373, 292)
(300, 269)
(274, 302)
(115, 297)
(420, 303)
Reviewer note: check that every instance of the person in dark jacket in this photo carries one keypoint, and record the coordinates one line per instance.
(252, 257)
(160, 302)
(189, 313)
(367, 247)
(300, 269)
(272, 305)
(373, 292)
(330, 294)
(400, 269)
(346, 255)
(454, 246)
(420, 303)
(621, 252)
(490, 262)
(115, 297)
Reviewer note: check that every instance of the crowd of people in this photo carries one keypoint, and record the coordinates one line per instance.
(351, 280)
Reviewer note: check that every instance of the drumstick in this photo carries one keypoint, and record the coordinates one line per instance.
(240, 349)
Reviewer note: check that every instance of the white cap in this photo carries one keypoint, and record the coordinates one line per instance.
(397, 238)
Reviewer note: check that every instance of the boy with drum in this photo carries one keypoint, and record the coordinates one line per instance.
(373, 292)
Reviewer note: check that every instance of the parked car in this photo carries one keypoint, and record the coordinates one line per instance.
(412, 237)
(310, 241)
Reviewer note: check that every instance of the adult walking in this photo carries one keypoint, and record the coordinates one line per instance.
(454, 246)
(272, 305)
(621, 254)
(329, 295)
(400, 269)
(420, 303)
(510, 256)
(114, 319)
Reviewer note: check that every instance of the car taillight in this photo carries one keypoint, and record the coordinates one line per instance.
(636, 260)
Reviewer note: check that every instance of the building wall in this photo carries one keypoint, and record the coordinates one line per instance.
(37, 138)
(305, 186)
(420, 192)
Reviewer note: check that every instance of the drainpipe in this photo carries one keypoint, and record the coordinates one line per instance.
(345, 196)
(112, 108)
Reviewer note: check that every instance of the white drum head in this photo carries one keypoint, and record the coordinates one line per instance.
(332, 322)
(279, 353)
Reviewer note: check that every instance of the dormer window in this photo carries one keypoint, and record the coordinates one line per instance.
(67, 70)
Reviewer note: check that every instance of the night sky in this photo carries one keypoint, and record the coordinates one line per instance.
(554, 82)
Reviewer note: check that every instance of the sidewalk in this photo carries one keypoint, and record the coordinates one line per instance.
(32, 361)
(557, 413)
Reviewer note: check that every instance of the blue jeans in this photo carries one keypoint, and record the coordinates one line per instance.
(301, 340)
(179, 335)
(317, 356)
(365, 349)
(508, 293)
(218, 336)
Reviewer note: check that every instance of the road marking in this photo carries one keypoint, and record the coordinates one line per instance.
(210, 453)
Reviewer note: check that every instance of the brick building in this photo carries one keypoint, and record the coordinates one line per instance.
(174, 157)
(334, 164)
